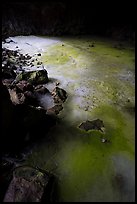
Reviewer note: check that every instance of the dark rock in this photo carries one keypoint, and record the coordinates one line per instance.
(17, 98)
(39, 54)
(9, 40)
(24, 86)
(13, 59)
(8, 73)
(5, 176)
(7, 109)
(59, 95)
(21, 94)
(54, 110)
(41, 89)
(34, 77)
(7, 82)
(57, 83)
(39, 63)
(14, 67)
(30, 185)
(92, 45)
(92, 125)
(31, 98)
(28, 57)
(21, 98)
(10, 122)
(22, 125)
(37, 122)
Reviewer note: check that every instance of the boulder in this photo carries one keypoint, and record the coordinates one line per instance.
(54, 110)
(7, 110)
(34, 77)
(16, 98)
(30, 185)
(22, 124)
(24, 86)
(7, 82)
(41, 89)
(26, 97)
(59, 95)
(8, 73)
(11, 122)
(5, 176)
(31, 98)
(37, 123)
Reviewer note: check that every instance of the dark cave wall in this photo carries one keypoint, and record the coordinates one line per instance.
(39, 18)
(67, 18)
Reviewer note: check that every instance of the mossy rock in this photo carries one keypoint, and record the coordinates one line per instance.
(34, 77)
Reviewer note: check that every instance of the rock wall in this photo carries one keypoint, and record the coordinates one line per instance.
(72, 18)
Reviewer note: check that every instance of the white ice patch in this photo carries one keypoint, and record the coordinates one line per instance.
(29, 44)
(46, 101)
(33, 68)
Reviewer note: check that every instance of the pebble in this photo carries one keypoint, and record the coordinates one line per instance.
(103, 140)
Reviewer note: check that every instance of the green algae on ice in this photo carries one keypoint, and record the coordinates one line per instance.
(100, 84)
(59, 55)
